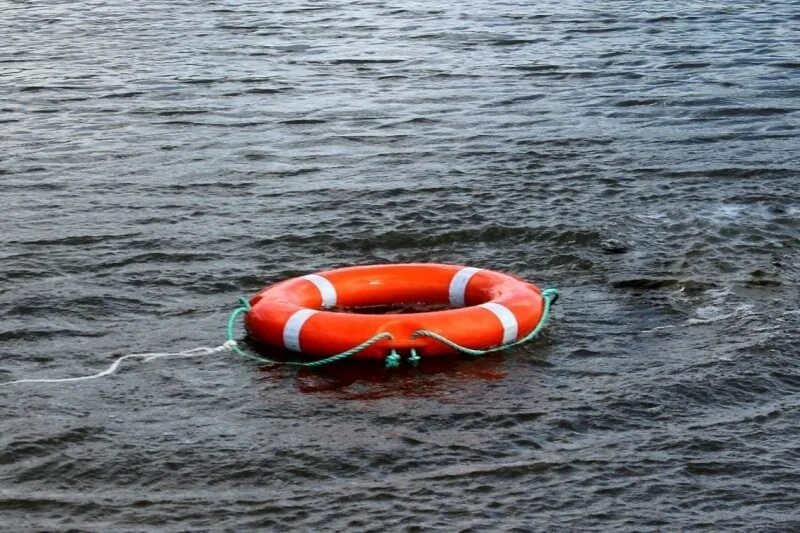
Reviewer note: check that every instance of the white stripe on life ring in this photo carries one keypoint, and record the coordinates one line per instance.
(326, 289)
(291, 331)
(507, 319)
(458, 285)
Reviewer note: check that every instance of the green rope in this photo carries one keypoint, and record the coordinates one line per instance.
(234, 346)
(394, 359)
(548, 295)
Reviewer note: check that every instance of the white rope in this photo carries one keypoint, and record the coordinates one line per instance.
(146, 357)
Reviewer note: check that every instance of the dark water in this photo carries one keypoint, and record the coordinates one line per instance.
(160, 159)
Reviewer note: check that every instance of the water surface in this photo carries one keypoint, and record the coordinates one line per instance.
(158, 161)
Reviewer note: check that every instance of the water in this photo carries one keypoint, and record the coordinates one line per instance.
(160, 160)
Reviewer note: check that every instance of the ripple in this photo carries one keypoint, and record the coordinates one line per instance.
(162, 162)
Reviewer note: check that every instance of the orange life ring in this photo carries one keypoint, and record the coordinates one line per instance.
(489, 309)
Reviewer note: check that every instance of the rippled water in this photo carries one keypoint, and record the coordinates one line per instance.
(160, 159)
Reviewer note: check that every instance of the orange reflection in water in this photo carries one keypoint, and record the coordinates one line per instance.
(365, 379)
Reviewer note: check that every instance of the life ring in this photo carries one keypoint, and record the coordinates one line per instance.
(485, 309)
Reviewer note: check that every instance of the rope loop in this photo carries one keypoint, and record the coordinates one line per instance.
(549, 296)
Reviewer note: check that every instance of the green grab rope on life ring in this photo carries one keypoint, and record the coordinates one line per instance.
(393, 360)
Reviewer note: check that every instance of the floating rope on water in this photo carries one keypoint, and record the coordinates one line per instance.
(146, 357)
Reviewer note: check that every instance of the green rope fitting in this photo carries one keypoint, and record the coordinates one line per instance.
(393, 360)
(414, 359)
(549, 296)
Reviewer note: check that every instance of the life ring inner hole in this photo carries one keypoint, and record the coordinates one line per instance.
(376, 291)
(401, 308)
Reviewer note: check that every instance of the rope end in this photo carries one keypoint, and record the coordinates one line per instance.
(392, 360)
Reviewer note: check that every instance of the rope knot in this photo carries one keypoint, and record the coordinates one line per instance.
(230, 345)
(551, 295)
(393, 360)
